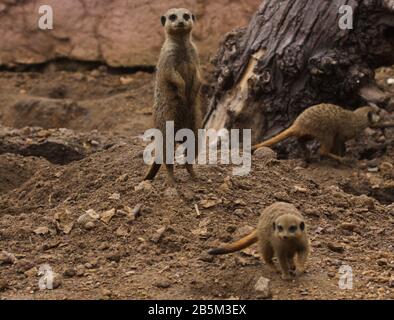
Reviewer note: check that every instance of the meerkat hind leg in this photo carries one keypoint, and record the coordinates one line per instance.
(301, 260)
(325, 150)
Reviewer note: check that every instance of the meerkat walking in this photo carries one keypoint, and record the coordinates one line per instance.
(281, 232)
(178, 83)
(331, 125)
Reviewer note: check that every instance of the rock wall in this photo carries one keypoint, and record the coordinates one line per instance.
(118, 32)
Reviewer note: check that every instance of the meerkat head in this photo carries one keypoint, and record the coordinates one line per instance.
(288, 227)
(371, 114)
(178, 21)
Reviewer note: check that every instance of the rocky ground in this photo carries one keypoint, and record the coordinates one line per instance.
(70, 197)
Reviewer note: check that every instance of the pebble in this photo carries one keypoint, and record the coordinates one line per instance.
(162, 284)
(171, 193)
(263, 288)
(144, 186)
(382, 262)
(206, 258)
(265, 153)
(7, 258)
(70, 272)
(3, 285)
(338, 248)
(158, 234)
(348, 226)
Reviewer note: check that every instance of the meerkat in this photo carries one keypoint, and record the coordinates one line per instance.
(178, 84)
(281, 232)
(331, 125)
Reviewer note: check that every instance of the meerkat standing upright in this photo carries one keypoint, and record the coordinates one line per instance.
(178, 84)
(282, 232)
(331, 125)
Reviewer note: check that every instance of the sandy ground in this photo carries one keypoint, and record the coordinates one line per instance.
(51, 176)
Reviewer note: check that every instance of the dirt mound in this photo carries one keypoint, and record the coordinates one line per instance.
(107, 236)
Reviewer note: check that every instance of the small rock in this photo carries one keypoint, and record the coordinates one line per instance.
(41, 230)
(115, 196)
(382, 262)
(95, 73)
(206, 257)
(348, 226)
(3, 285)
(265, 153)
(122, 231)
(373, 169)
(70, 272)
(115, 256)
(209, 203)
(31, 272)
(263, 288)
(144, 186)
(390, 81)
(123, 178)
(89, 225)
(126, 80)
(300, 189)
(106, 292)
(171, 193)
(64, 221)
(7, 258)
(335, 247)
(162, 284)
(106, 216)
(24, 265)
(158, 234)
(386, 167)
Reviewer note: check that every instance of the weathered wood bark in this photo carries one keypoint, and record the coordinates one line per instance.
(293, 55)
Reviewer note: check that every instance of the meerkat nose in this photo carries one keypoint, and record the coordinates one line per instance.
(181, 24)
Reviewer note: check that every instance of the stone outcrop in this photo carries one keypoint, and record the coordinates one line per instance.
(117, 32)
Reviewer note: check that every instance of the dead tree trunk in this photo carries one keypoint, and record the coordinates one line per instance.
(293, 55)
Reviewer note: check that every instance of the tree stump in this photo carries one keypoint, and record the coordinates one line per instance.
(293, 55)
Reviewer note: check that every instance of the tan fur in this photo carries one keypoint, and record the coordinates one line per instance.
(331, 125)
(178, 84)
(287, 246)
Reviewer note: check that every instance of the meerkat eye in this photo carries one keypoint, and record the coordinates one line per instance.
(293, 229)
(172, 17)
(186, 17)
(280, 228)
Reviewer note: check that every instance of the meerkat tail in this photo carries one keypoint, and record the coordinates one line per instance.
(236, 246)
(274, 140)
(154, 169)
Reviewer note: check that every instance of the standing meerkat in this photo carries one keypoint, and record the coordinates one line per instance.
(178, 84)
(281, 232)
(331, 125)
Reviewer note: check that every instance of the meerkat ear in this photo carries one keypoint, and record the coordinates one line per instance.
(302, 225)
(274, 225)
(193, 18)
(163, 20)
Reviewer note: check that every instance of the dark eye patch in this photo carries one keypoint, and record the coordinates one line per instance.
(293, 229)
(280, 228)
(186, 17)
(172, 17)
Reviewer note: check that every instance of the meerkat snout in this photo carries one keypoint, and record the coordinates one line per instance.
(178, 20)
(288, 227)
